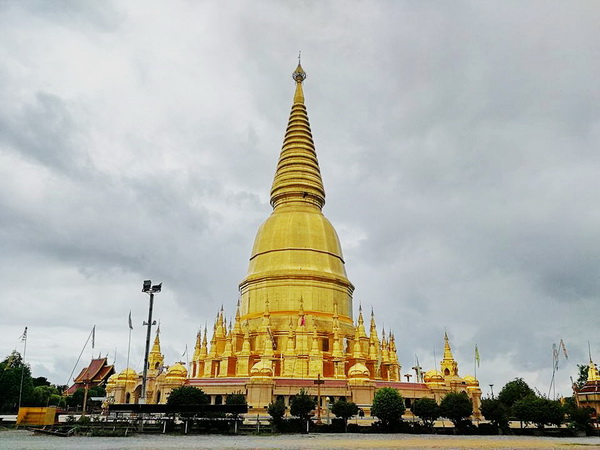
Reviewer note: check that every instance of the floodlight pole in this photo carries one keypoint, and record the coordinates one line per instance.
(150, 290)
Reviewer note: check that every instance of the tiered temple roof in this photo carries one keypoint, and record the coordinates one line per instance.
(98, 372)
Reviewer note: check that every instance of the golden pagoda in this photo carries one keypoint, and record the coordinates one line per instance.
(126, 386)
(588, 395)
(293, 324)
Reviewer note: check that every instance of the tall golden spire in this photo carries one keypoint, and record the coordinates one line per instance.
(296, 252)
(155, 357)
(204, 346)
(298, 178)
(198, 346)
(361, 324)
(448, 365)
(447, 350)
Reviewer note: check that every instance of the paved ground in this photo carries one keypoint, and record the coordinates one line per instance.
(21, 440)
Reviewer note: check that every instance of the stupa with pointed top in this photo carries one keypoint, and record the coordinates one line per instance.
(294, 318)
(297, 261)
(293, 324)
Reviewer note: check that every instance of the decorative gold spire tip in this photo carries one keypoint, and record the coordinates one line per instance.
(299, 74)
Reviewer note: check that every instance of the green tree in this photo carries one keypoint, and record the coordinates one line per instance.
(12, 368)
(513, 391)
(344, 410)
(582, 370)
(388, 406)
(187, 395)
(427, 410)
(57, 400)
(97, 391)
(75, 400)
(40, 381)
(549, 412)
(276, 410)
(42, 394)
(302, 404)
(457, 407)
(236, 398)
(495, 411)
(522, 409)
(539, 411)
(579, 418)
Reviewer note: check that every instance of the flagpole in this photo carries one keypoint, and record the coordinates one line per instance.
(82, 350)
(128, 353)
(24, 337)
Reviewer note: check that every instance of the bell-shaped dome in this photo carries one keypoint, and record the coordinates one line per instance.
(127, 376)
(359, 370)
(176, 372)
(433, 376)
(471, 380)
(112, 381)
(262, 369)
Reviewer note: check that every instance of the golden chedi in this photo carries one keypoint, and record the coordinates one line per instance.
(293, 326)
(294, 317)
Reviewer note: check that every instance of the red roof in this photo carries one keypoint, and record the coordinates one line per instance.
(96, 373)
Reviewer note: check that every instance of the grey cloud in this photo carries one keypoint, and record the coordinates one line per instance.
(45, 132)
(457, 146)
(68, 13)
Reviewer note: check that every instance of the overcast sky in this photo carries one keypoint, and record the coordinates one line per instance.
(458, 144)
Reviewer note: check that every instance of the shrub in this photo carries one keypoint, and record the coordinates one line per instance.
(344, 410)
(580, 419)
(514, 391)
(388, 407)
(457, 407)
(236, 399)
(496, 412)
(187, 395)
(538, 410)
(302, 405)
(427, 410)
(276, 410)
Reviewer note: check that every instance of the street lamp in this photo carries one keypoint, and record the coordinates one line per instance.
(150, 290)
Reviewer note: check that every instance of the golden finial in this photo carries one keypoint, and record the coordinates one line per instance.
(299, 74)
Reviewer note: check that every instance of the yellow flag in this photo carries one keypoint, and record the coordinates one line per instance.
(477, 355)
